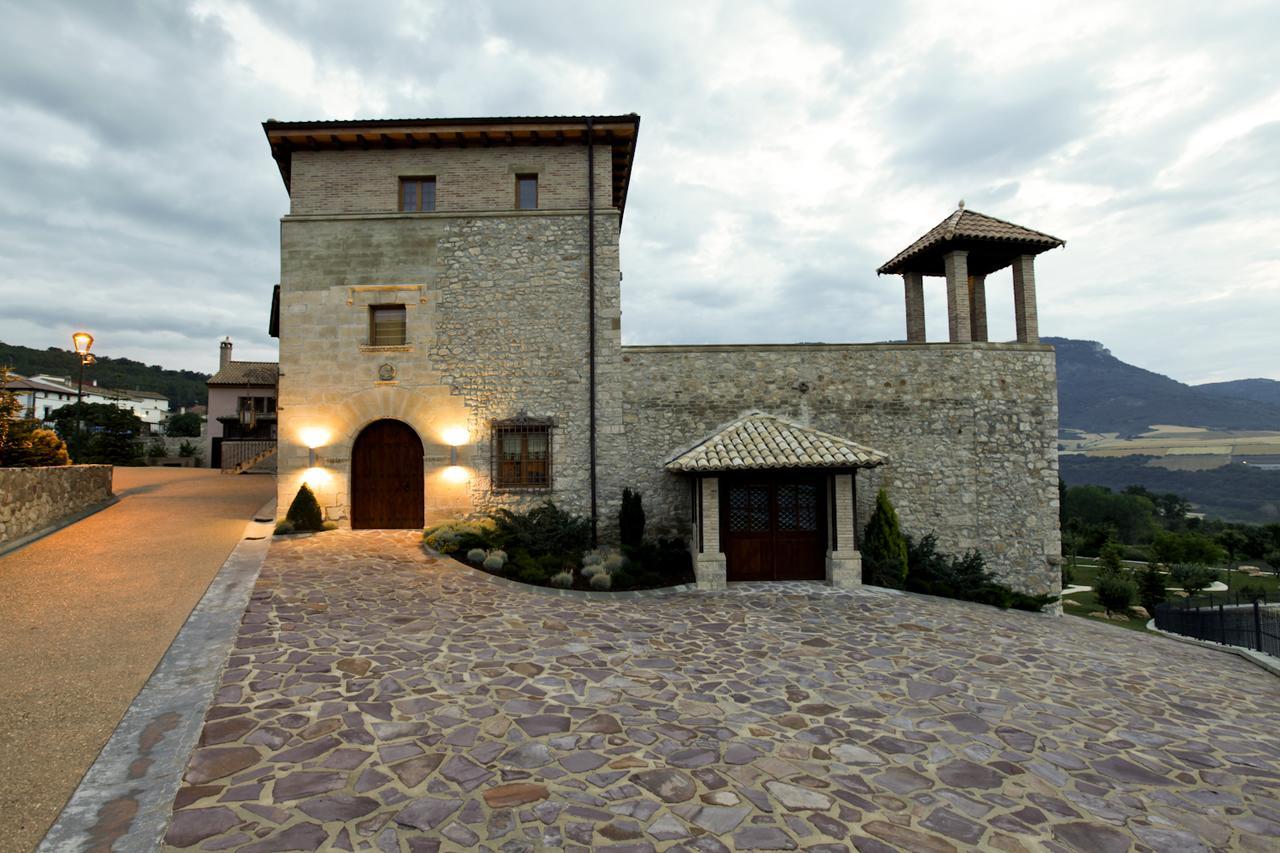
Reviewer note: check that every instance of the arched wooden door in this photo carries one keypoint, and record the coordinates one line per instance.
(386, 477)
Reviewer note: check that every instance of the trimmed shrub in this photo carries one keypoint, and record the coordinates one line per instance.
(631, 519)
(601, 581)
(590, 570)
(1115, 592)
(284, 527)
(884, 550)
(476, 555)
(545, 529)
(494, 563)
(304, 512)
(563, 580)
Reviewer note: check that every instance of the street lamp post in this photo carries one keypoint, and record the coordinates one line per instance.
(83, 341)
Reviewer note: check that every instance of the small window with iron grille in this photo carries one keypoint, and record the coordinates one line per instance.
(522, 453)
(386, 326)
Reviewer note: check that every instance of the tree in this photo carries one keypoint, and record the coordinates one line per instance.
(1151, 589)
(10, 407)
(185, 425)
(29, 445)
(1192, 577)
(304, 512)
(884, 549)
(1110, 559)
(1115, 592)
(108, 433)
(631, 519)
(1233, 542)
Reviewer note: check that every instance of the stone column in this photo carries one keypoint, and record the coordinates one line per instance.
(1024, 299)
(914, 285)
(978, 307)
(957, 267)
(709, 564)
(844, 562)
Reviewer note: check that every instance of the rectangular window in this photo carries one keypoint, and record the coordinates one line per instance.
(386, 326)
(522, 454)
(527, 192)
(418, 194)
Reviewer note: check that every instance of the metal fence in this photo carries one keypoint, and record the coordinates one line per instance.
(1227, 618)
(241, 454)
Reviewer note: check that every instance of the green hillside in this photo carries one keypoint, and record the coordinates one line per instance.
(182, 387)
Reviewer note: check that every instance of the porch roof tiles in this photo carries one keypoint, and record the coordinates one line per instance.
(760, 441)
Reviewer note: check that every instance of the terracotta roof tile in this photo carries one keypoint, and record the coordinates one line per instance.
(247, 373)
(758, 440)
(966, 224)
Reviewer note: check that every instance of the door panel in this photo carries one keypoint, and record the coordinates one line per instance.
(386, 477)
(774, 527)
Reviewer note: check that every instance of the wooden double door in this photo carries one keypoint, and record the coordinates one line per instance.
(386, 477)
(774, 526)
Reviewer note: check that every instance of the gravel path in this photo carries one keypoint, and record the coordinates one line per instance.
(88, 611)
(379, 698)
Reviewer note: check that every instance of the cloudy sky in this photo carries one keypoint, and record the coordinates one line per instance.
(786, 150)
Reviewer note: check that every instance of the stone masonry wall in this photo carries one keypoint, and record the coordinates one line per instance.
(969, 428)
(467, 179)
(495, 309)
(31, 499)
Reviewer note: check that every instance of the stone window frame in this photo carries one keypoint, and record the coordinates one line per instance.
(418, 180)
(373, 341)
(524, 425)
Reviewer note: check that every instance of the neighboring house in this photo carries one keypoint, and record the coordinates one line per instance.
(42, 394)
(242, 402)
(450, 342)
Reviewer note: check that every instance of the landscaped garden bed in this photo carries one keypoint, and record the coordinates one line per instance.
(546, 546)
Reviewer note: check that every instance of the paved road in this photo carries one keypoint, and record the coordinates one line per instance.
(87, 613)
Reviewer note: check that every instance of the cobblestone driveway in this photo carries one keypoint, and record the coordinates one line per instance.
(381, 699)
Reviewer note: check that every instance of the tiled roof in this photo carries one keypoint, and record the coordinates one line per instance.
(757, 441)
(247, 373)
(964, 225)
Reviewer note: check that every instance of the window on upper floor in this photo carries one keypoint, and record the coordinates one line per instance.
(522, 454)
(526, 192)
(386, 325)
(418, 194)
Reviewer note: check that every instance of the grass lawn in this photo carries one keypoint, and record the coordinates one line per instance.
(1086, 571)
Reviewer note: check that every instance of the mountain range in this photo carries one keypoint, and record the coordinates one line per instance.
(1098, 392)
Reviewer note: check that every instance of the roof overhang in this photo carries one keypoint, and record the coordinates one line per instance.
(760, 441)
(992, 244)
(619, 131)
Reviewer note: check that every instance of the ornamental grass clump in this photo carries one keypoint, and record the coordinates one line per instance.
(602, 581)
(563, 579)
(476, 555)
(495, 561)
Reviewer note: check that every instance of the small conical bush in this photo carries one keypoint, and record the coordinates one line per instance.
(304, 512)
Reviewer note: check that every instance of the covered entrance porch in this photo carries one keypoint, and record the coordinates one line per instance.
(774, 500)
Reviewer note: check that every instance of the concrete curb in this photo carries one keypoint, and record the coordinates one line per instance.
(126, 797)
(1260, 659)
(24, 541)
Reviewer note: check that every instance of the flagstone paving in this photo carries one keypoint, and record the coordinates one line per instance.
(379, 698)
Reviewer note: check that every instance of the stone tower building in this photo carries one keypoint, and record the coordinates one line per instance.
(450, 341)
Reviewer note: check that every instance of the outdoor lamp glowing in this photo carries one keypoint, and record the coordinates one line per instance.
(455, 474)
(313, 437)
(455, 436)
(83, 341)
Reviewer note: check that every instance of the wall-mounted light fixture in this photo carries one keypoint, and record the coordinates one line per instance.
(313, 438)
(455, 436)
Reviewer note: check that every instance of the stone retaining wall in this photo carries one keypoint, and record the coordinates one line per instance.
(34, 498)
(970, 430)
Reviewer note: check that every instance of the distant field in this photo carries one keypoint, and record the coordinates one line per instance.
(1176, 447)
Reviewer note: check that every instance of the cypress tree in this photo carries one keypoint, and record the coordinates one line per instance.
(304, 512)
(884, 548)
(631, 519)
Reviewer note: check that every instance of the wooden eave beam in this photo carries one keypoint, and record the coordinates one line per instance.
(337, 143)
(364, 143)
(413, 140)
(386, 140)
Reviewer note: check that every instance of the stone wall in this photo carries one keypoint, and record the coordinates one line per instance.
(31, 499)
(495, 309)
(467, 179)
(970, 430)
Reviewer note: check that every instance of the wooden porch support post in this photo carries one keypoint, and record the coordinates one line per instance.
(844, 561)
(709, 564)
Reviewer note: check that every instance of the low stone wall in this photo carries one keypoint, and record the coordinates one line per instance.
(34, 498)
